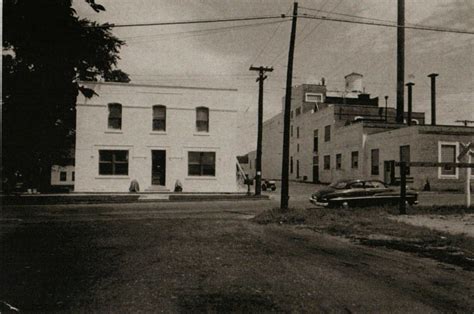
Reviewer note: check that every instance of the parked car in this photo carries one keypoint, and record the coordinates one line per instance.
(354, 193)
(268, 184)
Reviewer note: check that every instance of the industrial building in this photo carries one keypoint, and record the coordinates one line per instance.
(343, 135)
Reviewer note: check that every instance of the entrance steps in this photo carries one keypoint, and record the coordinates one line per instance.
(157, 188)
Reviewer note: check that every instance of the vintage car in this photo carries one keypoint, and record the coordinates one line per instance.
(268, 184)
(358, 193)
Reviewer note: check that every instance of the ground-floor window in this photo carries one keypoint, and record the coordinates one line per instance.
(338, 161)
(297, 168)
(113, 162)
(201, 163)
(63, 176)
(355, 160)
(327, 162)
(374, 162)
(448, 153)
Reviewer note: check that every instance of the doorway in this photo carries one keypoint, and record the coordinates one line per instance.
(389, 171)
(158, 167)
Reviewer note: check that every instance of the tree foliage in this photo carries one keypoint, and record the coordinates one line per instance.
(48, 50)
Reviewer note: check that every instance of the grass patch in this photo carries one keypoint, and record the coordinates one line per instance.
(372, 226)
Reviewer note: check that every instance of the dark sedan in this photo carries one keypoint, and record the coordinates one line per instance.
(350, 193)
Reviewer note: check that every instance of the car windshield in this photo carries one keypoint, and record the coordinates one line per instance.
(339, 185)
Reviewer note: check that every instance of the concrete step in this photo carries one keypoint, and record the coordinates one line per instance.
(157, 188)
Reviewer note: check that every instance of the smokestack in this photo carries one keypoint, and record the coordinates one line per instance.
(433, 97)
(323, 81)
(400, 60)
(410, 86)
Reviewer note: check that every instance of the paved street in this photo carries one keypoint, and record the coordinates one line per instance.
(207, 257)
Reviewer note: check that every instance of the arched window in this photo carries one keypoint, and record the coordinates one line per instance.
(115, 116)
(202, 119)
(159, 118)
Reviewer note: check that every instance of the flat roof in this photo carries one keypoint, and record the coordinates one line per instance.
(159, 86)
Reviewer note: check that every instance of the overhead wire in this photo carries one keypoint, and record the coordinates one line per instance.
(206, 21)
(270, 39)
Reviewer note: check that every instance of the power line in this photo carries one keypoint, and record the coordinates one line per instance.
(270, 39)
(213, 30)
(237, 19)
(417, 27)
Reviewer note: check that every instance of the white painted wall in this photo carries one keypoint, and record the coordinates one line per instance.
(56, 172)
(137, 136)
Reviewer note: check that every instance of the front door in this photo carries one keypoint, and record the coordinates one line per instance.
(158, 167)
(315, 174)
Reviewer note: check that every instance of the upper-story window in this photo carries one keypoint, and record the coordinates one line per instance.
(115, 116)
(159, 118)
(298, 111)
(313, 97)
(315, 141)
(202, 119)
(327, 133)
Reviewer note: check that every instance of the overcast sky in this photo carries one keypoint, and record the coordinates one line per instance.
(219, 57)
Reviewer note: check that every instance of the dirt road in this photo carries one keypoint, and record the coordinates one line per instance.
(207, 258)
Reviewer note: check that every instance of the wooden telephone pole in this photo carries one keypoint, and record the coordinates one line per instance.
(258, 166)
(286, 118)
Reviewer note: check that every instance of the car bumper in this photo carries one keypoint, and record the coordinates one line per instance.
(315, 202)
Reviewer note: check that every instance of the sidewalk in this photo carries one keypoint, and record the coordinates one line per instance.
(102, 198)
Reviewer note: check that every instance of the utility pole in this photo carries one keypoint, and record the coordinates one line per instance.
(258, 167)
(386, 108)
(286, 117)
(400, 60)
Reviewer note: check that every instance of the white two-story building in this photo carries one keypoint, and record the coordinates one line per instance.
(156, 135)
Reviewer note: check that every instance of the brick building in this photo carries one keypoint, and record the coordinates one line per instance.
(156, 135)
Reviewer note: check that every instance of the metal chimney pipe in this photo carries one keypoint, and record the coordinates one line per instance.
(433, 97)
(410, 93)
(386, 98)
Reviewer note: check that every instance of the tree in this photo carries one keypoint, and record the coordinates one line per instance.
(48, 50)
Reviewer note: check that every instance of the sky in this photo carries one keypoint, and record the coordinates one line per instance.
(221, 55)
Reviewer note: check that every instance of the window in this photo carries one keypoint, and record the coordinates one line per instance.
(291, 131)
(447, 153)
(202, 119)
(115, 116)
(338, 161)
(355, 160)
(63, 176)
(159, 118)
(291, 164)
(297, 168)
(298, 148)
(297, 132)
(73, 176)
(298, 111)
(315, 160)
(315, 141)
(113, 162)
(374, 154)
(405, 155)
(201, 163)
(313, 97)
(327, 162)
(327, 133)
(291, 114)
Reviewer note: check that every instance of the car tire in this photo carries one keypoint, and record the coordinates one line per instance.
(274, 188)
